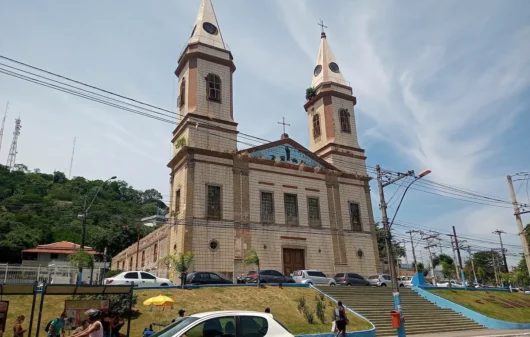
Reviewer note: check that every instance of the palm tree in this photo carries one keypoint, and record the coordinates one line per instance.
(81, 260)
(181, 262)
(252, 258)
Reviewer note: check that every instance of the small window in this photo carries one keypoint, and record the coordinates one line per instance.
(253, 326)
(147, 276)
(54, 256)
(355, 217)
(316, 126)
(177, 201)
(267, 207)
(215, 277)
(131, 276)
(214, 202)
(291, 209)
(214, 244)
(220, 326)
(143, 258)
(321, 274)
(386, 277)
(344, 121)
(213, 87)
(155, 252)
(314, 212)
(182, 93)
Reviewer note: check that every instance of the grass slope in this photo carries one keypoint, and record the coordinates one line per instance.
(492, 305)
(283, 304)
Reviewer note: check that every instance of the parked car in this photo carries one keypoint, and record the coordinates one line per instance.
(268, 276)
(350, 279)
(450, 283)
(242, 278)
(381, 280)
(226, 323)
(405, 281)
(205, 278)
(312, 277)
(139, 279)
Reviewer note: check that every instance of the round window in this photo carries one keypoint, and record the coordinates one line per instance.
(317, 70)
(360, 253)
(334, 67)
(214, 244)
(210, 28)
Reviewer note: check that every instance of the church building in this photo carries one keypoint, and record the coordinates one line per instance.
(298, 207)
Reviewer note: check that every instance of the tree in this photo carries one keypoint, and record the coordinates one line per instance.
(448, 269)
(252, 258)
(423, 270)
(82, 260)
(310, 93)
(484, 260)
(181, 263)
(398, 250)
(481, 274)
(437, 260)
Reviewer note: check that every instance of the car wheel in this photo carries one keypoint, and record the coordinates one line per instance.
(332, 285)
(349, 284)
(401, 285)
(383, 285)
(164, 285)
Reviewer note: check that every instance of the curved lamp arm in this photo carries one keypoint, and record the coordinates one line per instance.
(421, 175)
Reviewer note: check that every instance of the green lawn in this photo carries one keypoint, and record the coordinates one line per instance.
(283, 304)
(492, 303)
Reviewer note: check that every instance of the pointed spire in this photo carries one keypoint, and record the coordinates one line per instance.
(327, 68)
(206, 29)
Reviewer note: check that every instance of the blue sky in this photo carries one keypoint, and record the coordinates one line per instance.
(439, 85)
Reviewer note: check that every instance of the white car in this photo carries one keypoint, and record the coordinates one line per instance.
(450, 283)
(405, 281)
(314, 277)
(382, 280)
(225, 324)
(139, 279)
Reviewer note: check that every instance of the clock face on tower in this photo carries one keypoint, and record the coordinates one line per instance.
(317, 70)
(209, 28)
(334, 67)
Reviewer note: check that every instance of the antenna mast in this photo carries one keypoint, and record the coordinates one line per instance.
(71, 161)
(3, 124)
(13, 150)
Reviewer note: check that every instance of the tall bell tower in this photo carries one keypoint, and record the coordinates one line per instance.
(205, 87)
(331, 117)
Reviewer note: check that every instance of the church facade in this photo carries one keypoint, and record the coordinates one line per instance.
(299, 208)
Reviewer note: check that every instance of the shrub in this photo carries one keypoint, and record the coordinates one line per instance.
(301, 303)
(309, 316)
(321, 311)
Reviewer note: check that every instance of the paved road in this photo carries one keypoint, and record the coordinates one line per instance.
(479, 333)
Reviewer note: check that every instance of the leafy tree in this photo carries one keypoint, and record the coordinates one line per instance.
(398, 250)
(481, 274)
(484, 260)
(252, 258)
(422, 269)
(448, 269)
(181, 263)
(81, 259)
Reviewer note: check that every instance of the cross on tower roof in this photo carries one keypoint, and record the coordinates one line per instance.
(284, 124)
(321, 24)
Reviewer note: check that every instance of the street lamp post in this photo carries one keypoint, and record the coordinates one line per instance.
(83, 227)
(387, 227)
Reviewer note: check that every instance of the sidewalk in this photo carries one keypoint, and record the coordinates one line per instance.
(478, 333)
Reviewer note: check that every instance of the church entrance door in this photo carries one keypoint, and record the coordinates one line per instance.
(293, 259)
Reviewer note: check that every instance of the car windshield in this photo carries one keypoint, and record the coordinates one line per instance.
(172, 329)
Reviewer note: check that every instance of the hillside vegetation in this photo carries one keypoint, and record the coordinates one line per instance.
(283, 303)
(38, 208)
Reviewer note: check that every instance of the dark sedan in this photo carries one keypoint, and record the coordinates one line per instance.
(350, 279)
(205, 278)
(269, 276)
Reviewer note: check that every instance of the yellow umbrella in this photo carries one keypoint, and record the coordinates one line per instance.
(159, 301)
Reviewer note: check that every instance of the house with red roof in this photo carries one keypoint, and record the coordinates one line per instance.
(57, 252)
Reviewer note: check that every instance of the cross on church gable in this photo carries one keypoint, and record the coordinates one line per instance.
(284, 124)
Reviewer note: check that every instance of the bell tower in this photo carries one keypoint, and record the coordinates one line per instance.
(330, 112)
(204, 71)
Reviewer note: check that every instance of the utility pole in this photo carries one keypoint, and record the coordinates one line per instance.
(389, 251)
(71, 161)
(463, 278)
(472, 263)
(405, 249)
(413, 251)
(454, 256)
(520, 228)
(432, 262)
(500, 232)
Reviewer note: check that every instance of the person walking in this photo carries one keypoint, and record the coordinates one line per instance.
(56, 326)
(340, 320)
(18, 331)
(95, 328)
(115, 325)
(181, 316)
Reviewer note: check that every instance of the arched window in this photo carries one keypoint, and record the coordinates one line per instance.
(182, 93)
(213, 87)
(316, 126)
(344, 120)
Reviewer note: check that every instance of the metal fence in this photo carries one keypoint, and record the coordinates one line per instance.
(10, 273)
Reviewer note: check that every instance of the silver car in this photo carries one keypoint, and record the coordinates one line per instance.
(315, 277)
(381, 280)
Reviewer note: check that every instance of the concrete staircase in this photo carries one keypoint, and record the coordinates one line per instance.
(421, 316)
